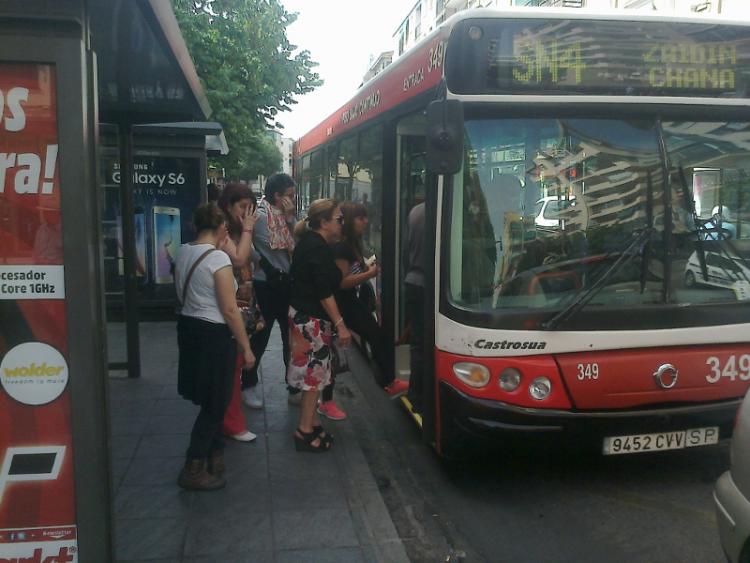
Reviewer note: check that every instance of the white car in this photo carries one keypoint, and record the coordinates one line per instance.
(732, 493)
(722, 271)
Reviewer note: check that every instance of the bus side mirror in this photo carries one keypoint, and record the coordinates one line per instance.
(445, 136)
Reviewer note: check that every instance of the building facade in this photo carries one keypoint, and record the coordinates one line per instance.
(426, 15)
(285, 145)
(378, 65)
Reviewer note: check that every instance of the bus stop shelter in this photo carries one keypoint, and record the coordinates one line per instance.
(66, 67)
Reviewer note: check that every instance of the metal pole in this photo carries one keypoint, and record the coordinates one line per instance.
(125, 134)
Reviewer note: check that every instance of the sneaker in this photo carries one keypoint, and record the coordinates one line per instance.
(252, 397)
(329, 409)
(245, 436)
(294, 399)
(396, 387)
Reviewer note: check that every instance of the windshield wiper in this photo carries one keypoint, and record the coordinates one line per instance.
(650, 222)
(635, 248)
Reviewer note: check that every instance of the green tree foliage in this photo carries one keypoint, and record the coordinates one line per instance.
(249, 71)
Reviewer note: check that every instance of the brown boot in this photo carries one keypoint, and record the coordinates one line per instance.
(194, 477)
(216, 464)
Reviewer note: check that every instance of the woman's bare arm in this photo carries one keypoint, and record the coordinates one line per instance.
(240, 252)
(330, 307)
(348, 280)
(225, 296)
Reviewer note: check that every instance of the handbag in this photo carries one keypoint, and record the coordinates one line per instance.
(251, 315)
(339, 359)
(247, 302)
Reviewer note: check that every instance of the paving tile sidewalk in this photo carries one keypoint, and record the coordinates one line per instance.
(278, 506)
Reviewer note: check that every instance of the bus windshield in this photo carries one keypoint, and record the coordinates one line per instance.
(544, 210)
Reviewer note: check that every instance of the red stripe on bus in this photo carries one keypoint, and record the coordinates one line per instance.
(411, 75)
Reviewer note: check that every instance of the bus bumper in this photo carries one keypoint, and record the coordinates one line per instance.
(485, 418)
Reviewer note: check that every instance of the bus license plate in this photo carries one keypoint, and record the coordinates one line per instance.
(614, 445)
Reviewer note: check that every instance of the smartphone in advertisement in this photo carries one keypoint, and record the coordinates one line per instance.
(167, 239)
(139, 221)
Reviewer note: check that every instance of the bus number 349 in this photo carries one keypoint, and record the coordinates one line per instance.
(730, 369)
(588, 371)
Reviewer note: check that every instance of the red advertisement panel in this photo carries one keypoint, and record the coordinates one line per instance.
(37, 508)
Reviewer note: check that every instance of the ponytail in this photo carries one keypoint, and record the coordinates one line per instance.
(301, 228)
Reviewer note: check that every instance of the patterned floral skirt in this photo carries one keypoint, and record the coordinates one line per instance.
(310, 347)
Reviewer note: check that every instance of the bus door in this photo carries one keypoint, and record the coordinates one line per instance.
(410, 177)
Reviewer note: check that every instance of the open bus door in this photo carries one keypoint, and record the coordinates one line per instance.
(411, 177)
(428, 146)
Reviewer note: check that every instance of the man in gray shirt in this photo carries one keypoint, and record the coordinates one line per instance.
(414, 282)
(273, 245)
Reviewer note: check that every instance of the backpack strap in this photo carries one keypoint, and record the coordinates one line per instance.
(190, 274)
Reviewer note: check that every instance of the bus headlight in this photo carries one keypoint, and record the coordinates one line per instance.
(472, 374)
(540, 388)
(510, 379)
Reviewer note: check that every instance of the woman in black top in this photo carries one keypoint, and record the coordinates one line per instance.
(355, 298)
(313, 316)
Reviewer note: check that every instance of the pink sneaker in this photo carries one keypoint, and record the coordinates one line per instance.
(396, 387)
(329, 409)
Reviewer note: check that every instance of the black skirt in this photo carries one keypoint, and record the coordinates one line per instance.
(206, 363)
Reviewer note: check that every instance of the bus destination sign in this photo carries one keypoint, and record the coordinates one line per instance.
(601, 58)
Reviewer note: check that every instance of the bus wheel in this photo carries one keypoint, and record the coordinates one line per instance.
(689, 279)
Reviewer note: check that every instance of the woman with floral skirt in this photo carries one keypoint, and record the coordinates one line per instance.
(313, 317)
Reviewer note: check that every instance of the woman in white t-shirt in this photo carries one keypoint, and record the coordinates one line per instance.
(209, 331)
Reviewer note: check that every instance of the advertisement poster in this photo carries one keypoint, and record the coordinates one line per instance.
(166, 190)
(37, 497)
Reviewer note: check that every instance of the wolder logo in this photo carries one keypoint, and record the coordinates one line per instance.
(34, 373)
(34, 370)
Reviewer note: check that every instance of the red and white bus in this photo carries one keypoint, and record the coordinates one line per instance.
(587, 187)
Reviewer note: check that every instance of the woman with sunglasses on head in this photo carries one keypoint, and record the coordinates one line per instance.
(238, 204)
(355, 298)
(313, 317)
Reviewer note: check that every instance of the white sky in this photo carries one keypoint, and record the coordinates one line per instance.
(340, 35)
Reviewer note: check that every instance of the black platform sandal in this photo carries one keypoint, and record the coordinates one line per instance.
(305, 442)
(319, 429)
